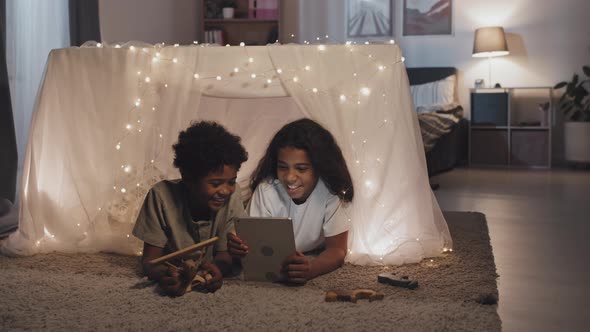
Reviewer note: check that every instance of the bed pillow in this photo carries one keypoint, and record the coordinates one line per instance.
(435, 95)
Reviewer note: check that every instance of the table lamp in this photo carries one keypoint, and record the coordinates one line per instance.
(489, 42)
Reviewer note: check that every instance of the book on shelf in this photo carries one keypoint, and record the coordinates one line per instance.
(263, 9)
(214, 36)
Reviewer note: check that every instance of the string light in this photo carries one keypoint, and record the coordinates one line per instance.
(156, 58)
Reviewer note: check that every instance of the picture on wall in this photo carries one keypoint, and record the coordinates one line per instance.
(368, 18)
(427, 17)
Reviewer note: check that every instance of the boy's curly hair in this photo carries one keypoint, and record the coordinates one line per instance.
(206, 146)
(323, 151)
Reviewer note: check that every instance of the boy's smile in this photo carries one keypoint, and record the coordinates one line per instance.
(213, 191)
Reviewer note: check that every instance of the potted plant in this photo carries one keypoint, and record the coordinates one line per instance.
(228, 8)
(575, 105)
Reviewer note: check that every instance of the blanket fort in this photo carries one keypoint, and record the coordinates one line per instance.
(107, 116)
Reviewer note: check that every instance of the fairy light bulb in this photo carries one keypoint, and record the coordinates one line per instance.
(123, 190)
(253, 76)
(391, 41)
(250, 60)
(236, 70)
(138, 72)
(127, 169)
(155, 59)
(137, 102)
(307, 68)
(118, 146)
(403, 59)
(196, 76)
(175, 60)
(218, 78)
(342, 98)
(128, 126)
(269, 81)
(315, 90)
(148, 79)
(176, 45)
(279, 71)
(132, 48)
(117, 46)
(365, 91)
(295, 79)
(321, 47)
(242, 44)
(99, 45)
(381, 68)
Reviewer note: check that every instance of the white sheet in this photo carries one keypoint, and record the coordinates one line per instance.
(106, 118)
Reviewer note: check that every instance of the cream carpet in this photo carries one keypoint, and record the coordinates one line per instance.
(59, 291)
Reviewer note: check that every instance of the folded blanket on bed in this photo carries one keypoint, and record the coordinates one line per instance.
(435, 124)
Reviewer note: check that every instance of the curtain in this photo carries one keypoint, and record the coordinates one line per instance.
(84, 21)
(107, 117)
(33, 29)
(8, 154)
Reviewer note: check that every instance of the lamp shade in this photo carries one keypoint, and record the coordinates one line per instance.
(489, 42)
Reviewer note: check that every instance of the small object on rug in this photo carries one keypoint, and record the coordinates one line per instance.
(353, 296)
(487, 299)
(399, 281)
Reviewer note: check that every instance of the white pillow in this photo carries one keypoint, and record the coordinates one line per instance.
(434, 95)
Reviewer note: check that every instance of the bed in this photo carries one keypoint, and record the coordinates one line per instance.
(443, 127)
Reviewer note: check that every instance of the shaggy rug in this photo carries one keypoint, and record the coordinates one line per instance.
(57, 291)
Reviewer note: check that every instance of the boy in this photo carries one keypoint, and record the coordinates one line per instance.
(200, 205)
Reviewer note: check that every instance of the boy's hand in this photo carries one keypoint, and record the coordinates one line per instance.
(235, 246)
(217, 278)
(172, 283)
(297, 268)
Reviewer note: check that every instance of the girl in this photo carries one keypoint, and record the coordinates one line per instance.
(200, 205)
(303, 176)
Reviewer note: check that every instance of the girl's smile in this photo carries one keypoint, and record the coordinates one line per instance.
(296, 173)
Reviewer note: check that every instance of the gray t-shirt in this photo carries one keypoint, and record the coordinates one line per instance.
(165, 219)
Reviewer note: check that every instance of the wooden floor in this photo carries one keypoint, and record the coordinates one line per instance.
(539, 225)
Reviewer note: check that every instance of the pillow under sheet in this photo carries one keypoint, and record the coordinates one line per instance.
(434, 95)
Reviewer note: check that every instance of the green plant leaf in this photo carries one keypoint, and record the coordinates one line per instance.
(560, 85)
(586, 70)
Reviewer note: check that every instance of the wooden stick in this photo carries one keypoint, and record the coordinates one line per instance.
(184, 251)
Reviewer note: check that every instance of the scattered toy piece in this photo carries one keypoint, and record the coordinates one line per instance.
(398, 281)
(353, 296)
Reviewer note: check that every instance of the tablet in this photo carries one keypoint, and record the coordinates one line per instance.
(270, 241)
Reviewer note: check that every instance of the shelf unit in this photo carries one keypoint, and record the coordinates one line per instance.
(241, 28)
(511, 127)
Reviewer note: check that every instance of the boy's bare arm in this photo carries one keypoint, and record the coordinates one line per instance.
(153, 272)
(223, 260)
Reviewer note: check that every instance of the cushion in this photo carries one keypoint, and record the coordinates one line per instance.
(434, 95)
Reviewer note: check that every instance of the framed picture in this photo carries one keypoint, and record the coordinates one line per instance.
(369, 18)
(427, 17)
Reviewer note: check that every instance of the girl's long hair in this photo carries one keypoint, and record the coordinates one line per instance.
(323, 151)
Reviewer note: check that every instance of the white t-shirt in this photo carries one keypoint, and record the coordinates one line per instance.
(322, 214)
